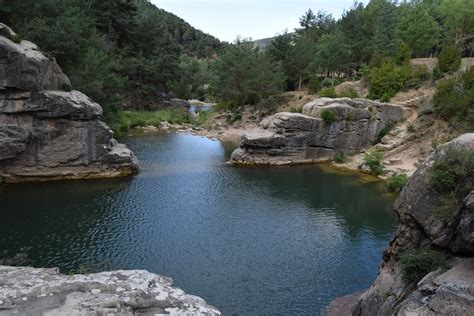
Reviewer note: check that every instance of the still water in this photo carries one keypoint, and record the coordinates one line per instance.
(250, 241)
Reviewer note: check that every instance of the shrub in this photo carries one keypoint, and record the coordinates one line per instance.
(329, 116)
(418, 75)
(314, 85)
(17, 38)
(374, 159)
(296, 109)
(350, 93)
(327, 82)
(411, 128)
(449, 59)
(403, 54)
(384, 131)
(328, 92)
(453, 173)
(437, 73)
(387, 79)
(340, 158)
(67, 87)
(454, 97)
(417, 263)
(363, 72)
(385, 98)
(397, 182)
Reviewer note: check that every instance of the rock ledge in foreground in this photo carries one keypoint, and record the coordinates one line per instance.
(34, 291)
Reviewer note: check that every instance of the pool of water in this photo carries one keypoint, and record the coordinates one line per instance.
(266, 241)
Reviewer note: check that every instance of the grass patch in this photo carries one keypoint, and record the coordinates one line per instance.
(452, 177)
(329, 116)
(417, 263)
(397, 182)
(340, 158)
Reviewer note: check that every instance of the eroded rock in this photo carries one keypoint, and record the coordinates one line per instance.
(306, 137)
(47, 133)
(30, 291)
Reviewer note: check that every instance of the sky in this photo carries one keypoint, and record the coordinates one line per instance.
(227, 19)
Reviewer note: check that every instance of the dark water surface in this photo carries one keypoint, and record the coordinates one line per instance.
(266, 241)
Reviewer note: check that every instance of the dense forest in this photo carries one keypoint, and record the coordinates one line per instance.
(129, 52)
(119, 52)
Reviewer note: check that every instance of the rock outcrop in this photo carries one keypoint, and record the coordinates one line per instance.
(287, 138)
(30, 291)
(448, 291)
(47, 131)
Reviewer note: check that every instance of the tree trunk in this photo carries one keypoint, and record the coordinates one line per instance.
(301, 79)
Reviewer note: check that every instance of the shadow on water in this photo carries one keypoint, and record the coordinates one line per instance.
(281, 240)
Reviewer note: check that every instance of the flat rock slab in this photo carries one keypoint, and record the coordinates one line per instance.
(33, 291)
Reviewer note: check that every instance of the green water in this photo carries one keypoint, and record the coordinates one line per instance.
(251, 241)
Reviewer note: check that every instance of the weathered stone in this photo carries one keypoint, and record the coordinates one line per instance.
(421, 226)
(24, 67)
(48, 134)
(30, 291)
(298, 138)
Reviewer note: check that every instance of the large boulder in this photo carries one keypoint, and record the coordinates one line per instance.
(422, 226)
(47, 133)
(286, 138)
(30, 291)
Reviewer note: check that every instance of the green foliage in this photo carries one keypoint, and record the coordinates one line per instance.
(449, 59)
(350, 93)
(387, 78)
(453, 173)
(454, 99)
(404, 54)
(314, 85)
(327, 82)
(437, 73)
(340, 158)
(397, 182)
(385, 98)
(296, 109)
(17, 38)
(328, 92)
(18, 259)
(173, 115)
(418, 29)
(384, 131)
(329, 116)
(67, 87)
(374, 158)
(417, 263)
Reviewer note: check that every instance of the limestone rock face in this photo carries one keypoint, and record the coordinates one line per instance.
(287, 138)
(47, 133)
(30, 291)
(421, 226)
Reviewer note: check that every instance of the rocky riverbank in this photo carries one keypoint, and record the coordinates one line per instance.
(325, 128)
(30, 291)
(443, 288)
(47, 131)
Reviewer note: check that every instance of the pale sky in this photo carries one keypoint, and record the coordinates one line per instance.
(226, 19)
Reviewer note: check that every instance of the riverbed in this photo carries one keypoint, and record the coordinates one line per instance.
(266, 241)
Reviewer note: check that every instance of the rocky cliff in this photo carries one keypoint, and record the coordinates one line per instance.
(325, 127)
(47, 131)
(30, 291)
(426, 232)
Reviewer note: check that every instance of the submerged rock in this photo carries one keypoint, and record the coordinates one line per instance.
(441, 292)
(48, 132)
(286, 138)
(30, 291)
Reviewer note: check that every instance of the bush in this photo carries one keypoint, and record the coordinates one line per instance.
(418, 75)
(417, 263)
(374, 159)
(384, 131)
(327, 82)
(385, 98)
(329, 116)
(67, 87)
(314, 85)
(350, 93)
(437, 73)
(340, 158)
(296, 109)
(454, 98)
(449, 59)
(397, 182)
(328, 93)
(387, 79)
(17, 39)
